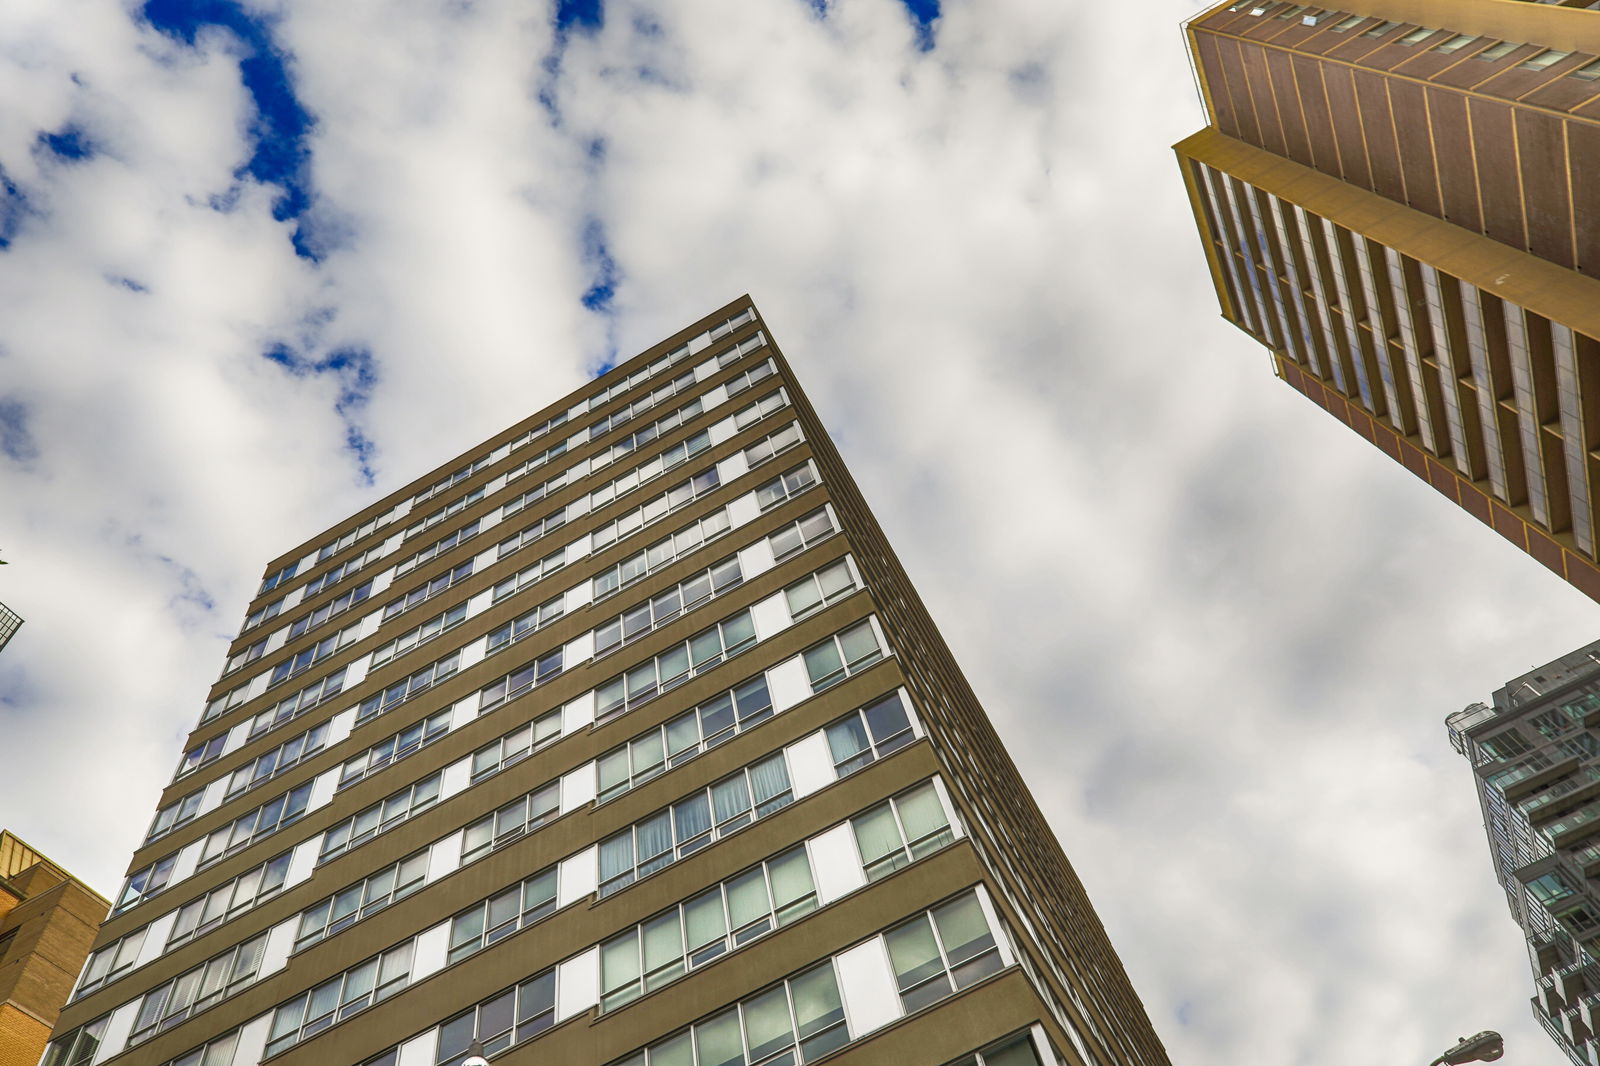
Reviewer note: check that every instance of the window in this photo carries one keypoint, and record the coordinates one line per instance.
(650, 469)
(530, 575)
(901, 831)
(531, 622)
(334, 547)
(785, 487)
(701, 652)
(692, 823)
(516, 745)
(229, 900)
(863, 737)
(251, 827)
(145, 882)
(540, 430)
(306, 658)
(522, 680)
(802, 533)
(1343, 26)
(534, 462)
(754, 376)
(1551, 724)
(402, 690)
(751, 413)
(517, 1014)
(644, 435)
(1506, 745)
(817, 590)
(549, 523)
(453, 508)
(773, 444)
(380, 817)
(511, 823)
(1456, 43)
(173, 815)
(946, 949)
(661, 553)
(437, 548)
(630, 522)
(428, 591)
(1544, 60)
(313, 695)
(110, 962)
(336, 574)
(1417, 36)
(684, 737)
(274, 580)
(262, 614)
(1498, 51)
(192, 992)
(391, 750)
(1550, 887)
(78, 1047)
(218, 1052)
(517, 504)
(1382, 28)
(632, 410)
(502, 914)
(667, 606)
(245, 657)
(1015, 1050)
(285, 756)
(450, 480)
(708, 926)
(799, 1020)
(337, 999)
(371, 894)
(421, 634)
(224, 703)
(1587, 72)
(842, 655)
(334, 607)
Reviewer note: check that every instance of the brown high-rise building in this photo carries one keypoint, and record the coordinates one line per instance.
(47, 922)
(620, 739)
(1401, 200)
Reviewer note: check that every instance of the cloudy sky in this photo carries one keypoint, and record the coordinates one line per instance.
(263, 261)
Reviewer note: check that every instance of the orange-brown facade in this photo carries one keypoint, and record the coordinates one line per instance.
(618, 739)
(1399, 198)
(47, 922)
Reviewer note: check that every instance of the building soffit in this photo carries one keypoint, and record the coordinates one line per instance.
(1516, 277)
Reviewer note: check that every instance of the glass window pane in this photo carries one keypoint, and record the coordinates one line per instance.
(962, 928)
(619, 961)
(816, 1000)
(1016, 1052)
(822, 662)
(674, 1051)
(719, 1042)
(790, 874)
(747, 898)
(704, 919)
(877, 834)
(921, 812)
(847, 739)
(731, 798)
(663, 941)
(887, 718)
(859, 643)
(913, 952)
(693, 817)
(767, 1024)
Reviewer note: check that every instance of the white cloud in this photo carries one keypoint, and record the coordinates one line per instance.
(1219, 632)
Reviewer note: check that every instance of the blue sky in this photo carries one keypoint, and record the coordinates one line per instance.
(262, 261)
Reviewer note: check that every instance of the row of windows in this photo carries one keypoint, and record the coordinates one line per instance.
(661, 673)
(755, 375)
(380, 817)
(704, 928)
(367, 896)
(189, 993)
(629, 411)
(334, 575)
(255, 824)
(391, 750)
(428, 591)
(332, 609)
(449, 510)
(630, 522)
(407, 687)
(675, 742)
(645, 434)
(525, 624)
(511, 822)
(340, 997)
(437, 548)
(530, 574)
(418, 635)
(502, 914)
(667, 550)
(228, 900)
(450, 480)
(310, 656)
(648, 471)
(530, 533)
(665, 607)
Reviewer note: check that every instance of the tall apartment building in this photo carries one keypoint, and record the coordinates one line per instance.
(1401, 200)
(47, 922)
(620, 739)
(1535, 755)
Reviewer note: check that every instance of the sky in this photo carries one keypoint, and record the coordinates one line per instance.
(265, 261)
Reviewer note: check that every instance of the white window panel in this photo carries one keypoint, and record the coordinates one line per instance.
(580, 649)
(382, 582)
(732, 467)
(115, 1037)
(356, 672)
(463, 711)
(444, 858)
(280, 942)
(429, 954)
(579, 877)
(578, 985)
(322, 789)
(473, 653)
(340, 725)
(457, 778)
(252, 1046)
(810, 764)
(302, 862)
(788, 683)
(836, 864)
(580, 595)
(155, 939)
(578, 714)
(756, 559)
(579, 788)
(420, 1050)
(771, 615)
(743, 509)
(867, 987)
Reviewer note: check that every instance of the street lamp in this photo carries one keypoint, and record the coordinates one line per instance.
(1485, 1047)
(475, 1056)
